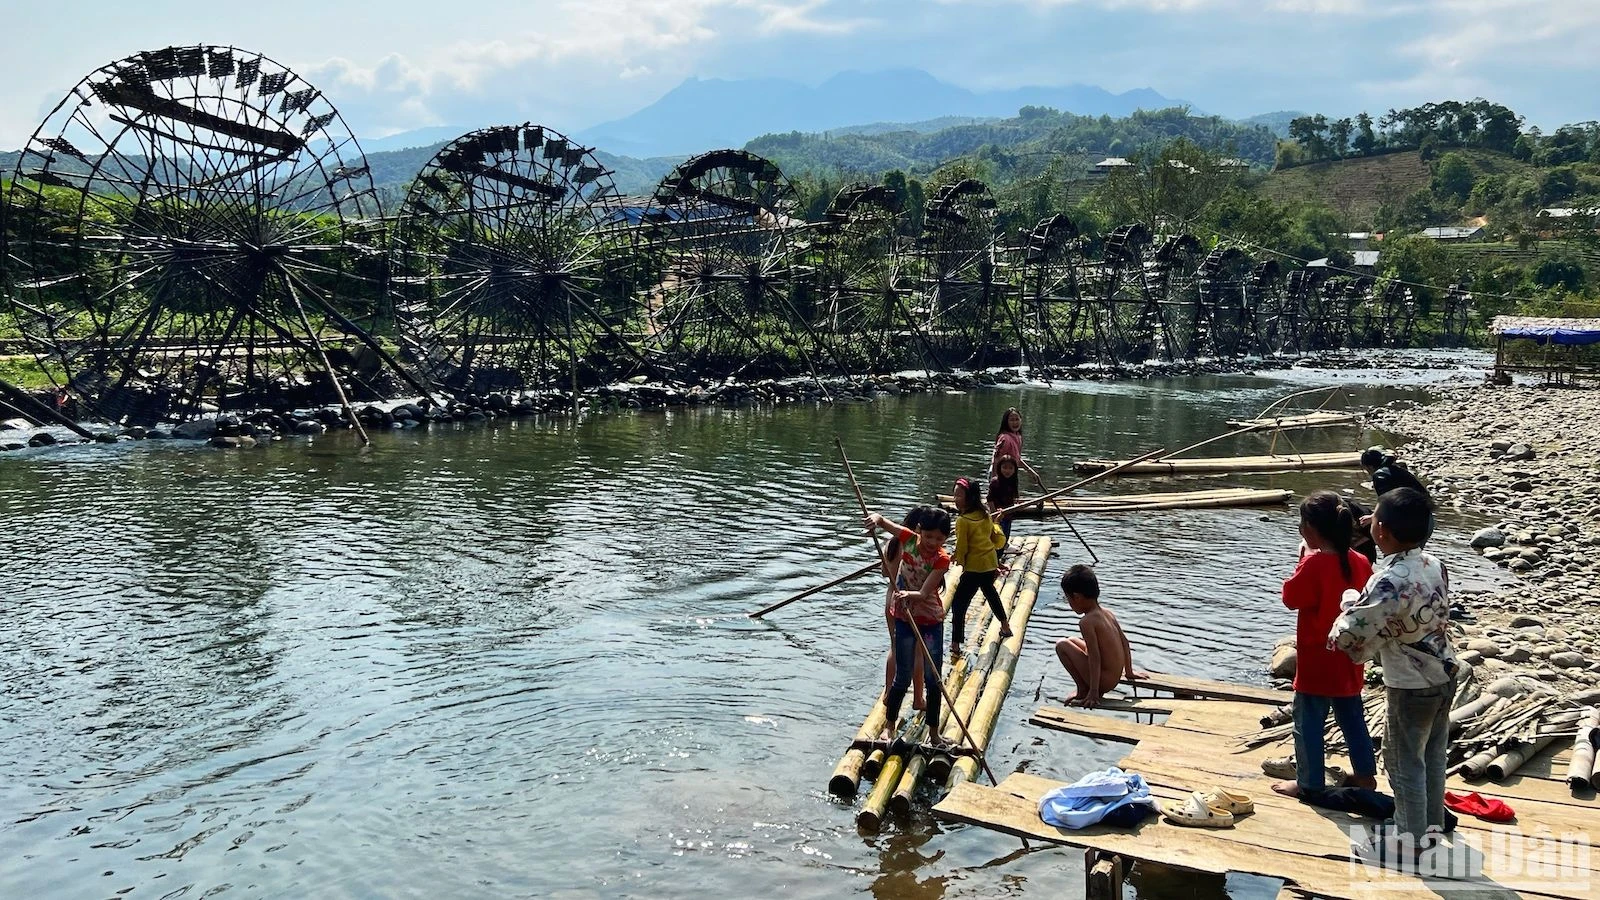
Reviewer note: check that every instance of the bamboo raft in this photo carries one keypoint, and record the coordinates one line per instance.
(1209, 742)
(1211, 499)
(1319, 419)
(1299, 462)
(979, 683)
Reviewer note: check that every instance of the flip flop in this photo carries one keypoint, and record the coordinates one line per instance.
(1196, 813)
(1234, 802)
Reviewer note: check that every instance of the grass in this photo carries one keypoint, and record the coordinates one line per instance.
(24, 372)
(1352, 188)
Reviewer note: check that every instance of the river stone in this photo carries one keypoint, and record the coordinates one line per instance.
(195, 429)
(1283, 662)
(42, 439)
(1522, 485)
(1488, 537)
(1487, 648)
(12, 445)
(1526, 622)
(1470, 657)
(1516, 655)
(1501, 445)
(1519, 564)
(1568, 660)
(1518, 453)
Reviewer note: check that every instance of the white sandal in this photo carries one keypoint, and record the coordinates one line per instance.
(1197, 813)
(1234, 802)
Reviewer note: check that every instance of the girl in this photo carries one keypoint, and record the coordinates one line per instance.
(1325, 678)
(918, 606)
(1008, 440)
(1003, 490)
(899, 554)
(977, 538)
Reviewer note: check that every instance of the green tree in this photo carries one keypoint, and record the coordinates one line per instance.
(1452, 177)
(1420, 262)
(1365, 140)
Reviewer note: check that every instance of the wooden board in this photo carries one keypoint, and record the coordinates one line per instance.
(1216, 465)
(1213, 499)
(1184, 686)
(1088, 724)
(1318, 419)
(1319, 867)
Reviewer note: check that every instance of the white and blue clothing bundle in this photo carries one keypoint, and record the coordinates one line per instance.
(1112, 797)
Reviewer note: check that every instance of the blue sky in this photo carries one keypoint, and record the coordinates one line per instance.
(410, 63)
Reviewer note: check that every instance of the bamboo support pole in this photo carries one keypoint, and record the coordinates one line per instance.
(1082, 482)
(1582, 770)
(999, 680)
(846, 778)
(1507, 763)
(819, 588)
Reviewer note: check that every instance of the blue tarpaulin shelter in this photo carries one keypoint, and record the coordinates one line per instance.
(1567, 332)
(1564, 357)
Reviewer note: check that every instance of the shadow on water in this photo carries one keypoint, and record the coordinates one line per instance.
(514, 660)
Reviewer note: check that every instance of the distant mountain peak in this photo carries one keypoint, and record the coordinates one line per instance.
(702, 114)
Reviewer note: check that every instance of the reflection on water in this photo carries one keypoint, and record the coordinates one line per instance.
(507, 660)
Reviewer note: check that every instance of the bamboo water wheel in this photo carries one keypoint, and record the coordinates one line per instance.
(508, 265)
(1277, 323)
(1054, 319)
(717, 244)
(193, 236)
(1172, 302)
(1226, 307)
(860, 306)
(960, 294)
(1125, 324)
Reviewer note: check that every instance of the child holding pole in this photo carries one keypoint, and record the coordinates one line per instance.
(1402, 620)
(899, 567)
(920, 608)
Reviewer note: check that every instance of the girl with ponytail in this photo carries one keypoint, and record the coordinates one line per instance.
(1325, 679)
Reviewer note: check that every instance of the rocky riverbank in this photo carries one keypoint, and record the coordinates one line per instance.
(1529, 458)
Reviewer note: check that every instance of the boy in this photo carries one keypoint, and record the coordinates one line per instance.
(1097, 659)
(1402, 620)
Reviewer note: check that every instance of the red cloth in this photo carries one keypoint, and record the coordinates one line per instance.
(1314, 591)
(1474, 804)
(1008, 442)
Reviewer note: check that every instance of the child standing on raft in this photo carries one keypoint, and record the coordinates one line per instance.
(977, 539)
(1003, 491)
(898, 564)
(921, 608)
(1325, 678)
(1008, 441)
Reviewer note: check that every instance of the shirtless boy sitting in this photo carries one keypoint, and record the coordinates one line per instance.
(1101, 658)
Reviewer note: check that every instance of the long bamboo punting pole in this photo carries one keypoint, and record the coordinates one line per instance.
(967, 688)
(922, 646)
(999, 681)
(809, 591)
(1082, 482)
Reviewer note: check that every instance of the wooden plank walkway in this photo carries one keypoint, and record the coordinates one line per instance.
(1198, 747)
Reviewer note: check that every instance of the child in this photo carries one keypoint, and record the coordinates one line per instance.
(1003, 491)
(1008, 442)
(902, 548)
(1402, 619)
(920, 606)
(977, 539)
(1097, 659)
(1325, 678)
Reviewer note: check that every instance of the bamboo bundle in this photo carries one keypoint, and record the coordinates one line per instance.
(999, 681)
(1508, 762)
(847, 775)
(1211, 499)
(1318, 419)
(897, 779)
(1217, 465)
(1584, 770)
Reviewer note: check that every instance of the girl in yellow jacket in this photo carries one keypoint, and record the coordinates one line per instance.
(977, 539)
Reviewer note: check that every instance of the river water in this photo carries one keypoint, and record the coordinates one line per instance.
(513, 660)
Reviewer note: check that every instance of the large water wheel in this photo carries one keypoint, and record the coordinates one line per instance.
(1277, 324)
(960, 295)
(859, 298)
(1055, 319)
(1172, 292)
(192, 232)
(508, 265)
(718, 249)
(1225, 324)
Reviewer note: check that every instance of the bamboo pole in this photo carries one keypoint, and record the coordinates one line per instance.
(999, 680)
(1082, 482)
(809, 591)
(1582, 770)
(846, 778)
(990, 649)
(1509, 762)
(965, 683)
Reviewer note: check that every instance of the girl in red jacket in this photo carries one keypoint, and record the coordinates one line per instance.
(1325, 679)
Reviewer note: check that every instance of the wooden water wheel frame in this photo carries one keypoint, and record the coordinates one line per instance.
(508, 265)
(1226, 311)
(860, 307)
(1054, 320)
(960, 295)
(198, 228)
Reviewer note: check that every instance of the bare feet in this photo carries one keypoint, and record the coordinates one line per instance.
(919, 703)
(1005, 630)
(1287, 788)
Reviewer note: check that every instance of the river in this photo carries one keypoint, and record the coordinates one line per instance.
(513, 660)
